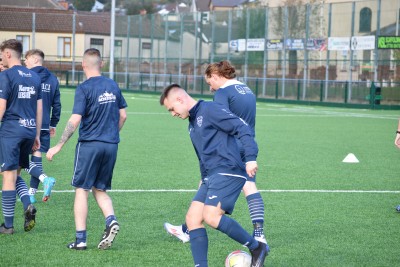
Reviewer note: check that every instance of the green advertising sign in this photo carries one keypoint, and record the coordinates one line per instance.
(389, 42)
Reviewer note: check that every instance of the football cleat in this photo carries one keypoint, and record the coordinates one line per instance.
(261, 239)
(30, 214)
(177, 232)
(48, 184)
(108, 236)
(77, 246)
(6, 231)
(398, 208)
(259, 254)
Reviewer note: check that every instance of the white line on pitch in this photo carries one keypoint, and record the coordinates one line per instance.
(269, 190)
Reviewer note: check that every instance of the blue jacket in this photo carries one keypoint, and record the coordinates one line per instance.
(239, 98)
(50, 97)
(212, 129)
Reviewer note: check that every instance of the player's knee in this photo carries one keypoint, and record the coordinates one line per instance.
(249, 188)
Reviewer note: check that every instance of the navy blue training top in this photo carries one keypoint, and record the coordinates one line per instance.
(239, 99)
(50, 97)
(213, 130)
(21, 88)
(99, 100)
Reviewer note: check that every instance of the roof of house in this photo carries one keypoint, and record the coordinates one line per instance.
(60, 21)
(203, 5)
(50, 20)
(227, 3)
(46, 4)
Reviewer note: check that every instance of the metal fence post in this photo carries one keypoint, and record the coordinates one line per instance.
(321, 91)
(256, 87)
(298, 90)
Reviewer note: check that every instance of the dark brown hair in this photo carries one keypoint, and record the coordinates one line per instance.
(12, 44)
(166, 91)
(222, 68)
(32, 52)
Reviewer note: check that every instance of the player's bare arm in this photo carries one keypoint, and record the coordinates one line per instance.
(70, 128)
(122, 118)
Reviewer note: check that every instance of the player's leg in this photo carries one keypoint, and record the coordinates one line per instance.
(80, 215)
(8, 200)
(105, 167)
(112, 227)
(29, 209)
(82, 185)
(22, 192)
(197, 232)
(221, 199)
(255, 204)
(36, 170)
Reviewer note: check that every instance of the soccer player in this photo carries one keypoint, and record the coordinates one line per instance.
(99, 109)
(239, 99)
(21, 121)
(213, 130)
(51, 106)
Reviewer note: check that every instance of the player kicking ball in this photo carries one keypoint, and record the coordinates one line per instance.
(213, 130)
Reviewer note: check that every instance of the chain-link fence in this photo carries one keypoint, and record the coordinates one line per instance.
(315, 52)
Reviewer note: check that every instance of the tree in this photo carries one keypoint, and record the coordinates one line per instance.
(294, 25)
(256, 29)
(83, 5)
(134, 8)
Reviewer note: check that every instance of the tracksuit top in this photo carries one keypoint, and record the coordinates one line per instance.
(213, 130)
(240, 100)
(50, 97)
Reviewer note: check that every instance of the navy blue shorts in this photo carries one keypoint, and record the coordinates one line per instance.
(94, 165)
(44, 141)
(14, 152)
(220, 189)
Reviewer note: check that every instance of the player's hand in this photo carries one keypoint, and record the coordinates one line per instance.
(52, 151)
(36, 144)
(251, 168)
(52, 131)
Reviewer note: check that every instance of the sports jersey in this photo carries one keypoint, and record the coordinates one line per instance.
(98, 100)
(212, 129)
(50, 97)
(21, 88)
(239, 99)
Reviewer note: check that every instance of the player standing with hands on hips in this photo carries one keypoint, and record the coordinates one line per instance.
(21, 121)
(213, 130)
(99, 109)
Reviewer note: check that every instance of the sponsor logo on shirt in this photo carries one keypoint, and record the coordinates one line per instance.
(27, 123)
(243, 89)
(107, 98)
(199, 121)
(23, 74)
(26, 91)
(46, 88)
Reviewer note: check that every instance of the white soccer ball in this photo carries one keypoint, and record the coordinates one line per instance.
(238, 258)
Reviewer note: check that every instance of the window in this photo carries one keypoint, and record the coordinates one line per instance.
(98, 44)
(365, 20)
(24, 39)
(117, 49)
(64, 47)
